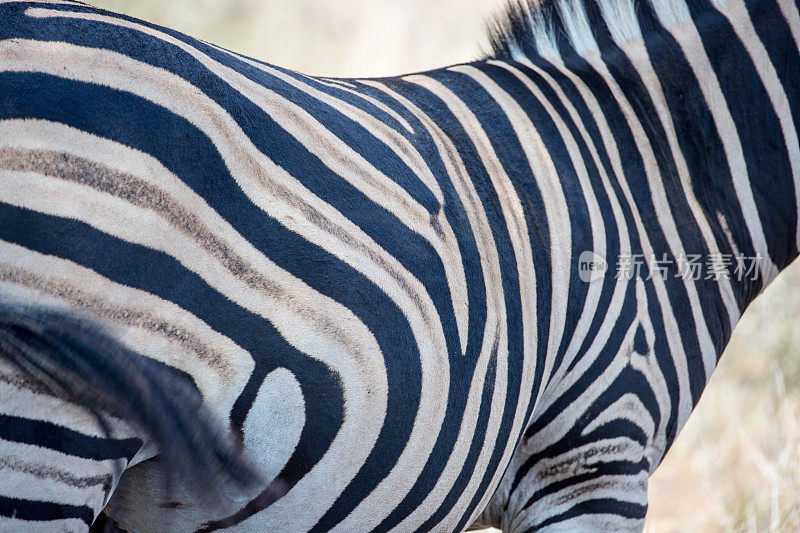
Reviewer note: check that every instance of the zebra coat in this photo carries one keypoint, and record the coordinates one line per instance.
(236, 297)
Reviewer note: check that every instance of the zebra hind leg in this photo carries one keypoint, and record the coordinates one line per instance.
(76, 406)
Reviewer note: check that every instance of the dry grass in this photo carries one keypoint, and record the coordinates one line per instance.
(736, 465)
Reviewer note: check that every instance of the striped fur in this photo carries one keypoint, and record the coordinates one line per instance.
(375, 283)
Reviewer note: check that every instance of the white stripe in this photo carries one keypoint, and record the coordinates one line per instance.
(543, 36)
(649, 367)
(19, 463)
(66, 525)
(350, 88)
(577, 26)
(561, 380)
(273, 425)
(21, 401)
(667, 227)
(339, 82)
(620, 18)
(791, 13)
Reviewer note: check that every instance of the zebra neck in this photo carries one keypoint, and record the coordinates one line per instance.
(730, 74)
(702, 100)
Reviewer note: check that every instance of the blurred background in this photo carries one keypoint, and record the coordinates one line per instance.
(736, 465)
(329, 37)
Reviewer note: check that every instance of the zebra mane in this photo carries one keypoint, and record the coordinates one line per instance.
(553, 28)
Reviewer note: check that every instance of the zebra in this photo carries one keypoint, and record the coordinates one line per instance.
(233, 296)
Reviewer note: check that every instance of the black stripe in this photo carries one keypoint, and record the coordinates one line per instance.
(41, 511)
(61, 439)
(600, 506)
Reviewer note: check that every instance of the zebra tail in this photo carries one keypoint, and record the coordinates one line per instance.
(79, 361)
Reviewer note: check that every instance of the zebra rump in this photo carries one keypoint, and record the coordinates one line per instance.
(80, 362)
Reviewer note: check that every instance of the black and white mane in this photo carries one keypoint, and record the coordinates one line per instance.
(556, 28)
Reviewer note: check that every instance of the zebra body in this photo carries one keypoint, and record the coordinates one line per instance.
(374, 284)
